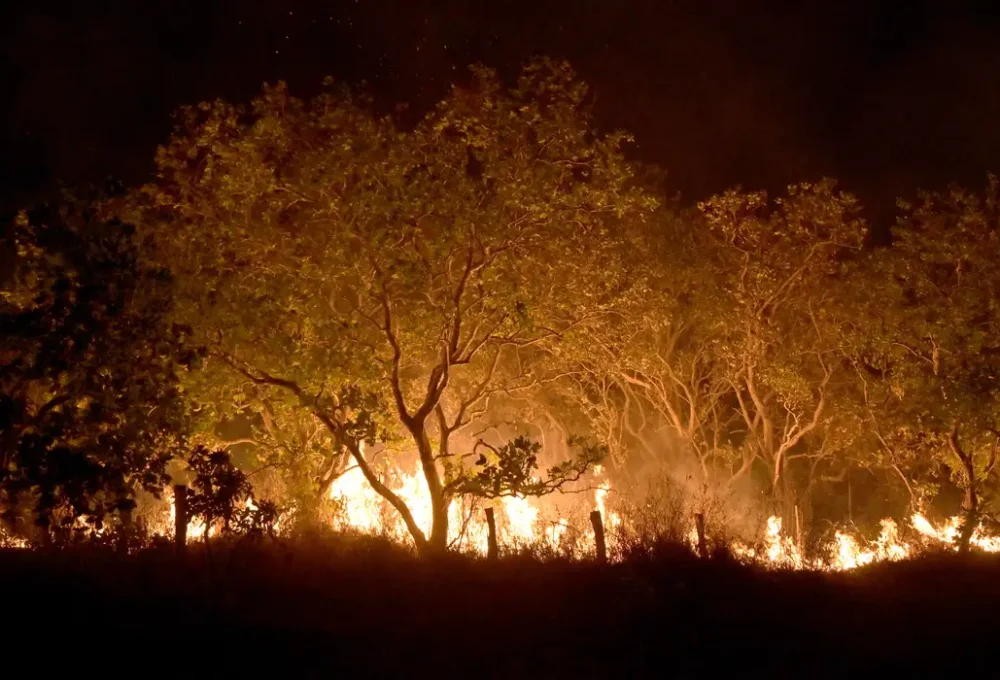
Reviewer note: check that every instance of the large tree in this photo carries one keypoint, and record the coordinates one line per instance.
(653, 385)
(90, 402)
(390, 283)
(780, 262)
(930, 370)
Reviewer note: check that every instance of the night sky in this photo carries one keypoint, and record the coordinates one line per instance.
(886, 96)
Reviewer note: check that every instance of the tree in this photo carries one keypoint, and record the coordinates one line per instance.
(783, 341)
(931, 367)
(90, 400)
(392, 284)
(660, 369)
(221, 491)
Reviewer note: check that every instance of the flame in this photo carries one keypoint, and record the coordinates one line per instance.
(10, 541)
(520, 521)
(847, 554)
(948, 533)
(846, 551)
(523, 522)
(613, 519)
(776, 550)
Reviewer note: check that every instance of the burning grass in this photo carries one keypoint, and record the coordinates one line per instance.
(661, 523)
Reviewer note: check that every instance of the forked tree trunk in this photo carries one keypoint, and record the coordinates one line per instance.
(437, 542)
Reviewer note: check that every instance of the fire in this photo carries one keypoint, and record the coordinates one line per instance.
(947, 534)
(846, 551)
(9, 541)
(520, 521)
(776, 551)
(522, 517)
(613, 519)
(848, 554)
(524, 522)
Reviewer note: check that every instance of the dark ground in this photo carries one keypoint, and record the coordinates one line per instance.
(293, 611)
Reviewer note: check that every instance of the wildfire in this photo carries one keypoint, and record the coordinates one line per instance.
(524, 522)
(947, 534)
(847, 551)
(520, 520)
(613, 519)
(9, 541)
(777, 550)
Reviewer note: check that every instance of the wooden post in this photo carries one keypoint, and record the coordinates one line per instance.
(598, 523)
(491, 523)
(180, 517)
(699, 523)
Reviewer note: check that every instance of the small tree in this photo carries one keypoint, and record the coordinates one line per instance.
(221, 491)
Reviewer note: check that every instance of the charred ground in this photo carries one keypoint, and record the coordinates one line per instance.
(312, 607)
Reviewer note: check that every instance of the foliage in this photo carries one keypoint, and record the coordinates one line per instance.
(509, 470)
(782, 342)
(930, 363)
(366, 292)
(90, 398)
(220, 491)
(433, 270)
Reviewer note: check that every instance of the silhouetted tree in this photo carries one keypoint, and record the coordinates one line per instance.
(90, 400)
(222, 492)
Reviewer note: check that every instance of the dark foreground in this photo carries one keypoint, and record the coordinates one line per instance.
(319, 610)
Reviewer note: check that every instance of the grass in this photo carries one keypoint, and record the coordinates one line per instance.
(319, 605)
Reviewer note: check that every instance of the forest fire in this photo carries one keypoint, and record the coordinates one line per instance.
(521, 521)
(524, 522)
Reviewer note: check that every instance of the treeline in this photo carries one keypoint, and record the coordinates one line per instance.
(312, 286)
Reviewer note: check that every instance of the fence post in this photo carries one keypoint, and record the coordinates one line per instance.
(598, 524)
(491, 523)
(180, 517)
(699, 522)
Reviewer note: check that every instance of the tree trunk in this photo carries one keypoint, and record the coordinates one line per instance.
(493, 550)
(699, 520)
(970, 503)
(786, 502)
(329, 474)
(598, 523)
(437, 543)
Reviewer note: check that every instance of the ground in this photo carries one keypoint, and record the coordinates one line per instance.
(311, 608)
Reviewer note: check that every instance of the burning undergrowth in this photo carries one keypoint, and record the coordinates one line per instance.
(640, 524)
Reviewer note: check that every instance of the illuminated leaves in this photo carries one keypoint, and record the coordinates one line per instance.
(441, 268)
(510, 469)
(931, 329)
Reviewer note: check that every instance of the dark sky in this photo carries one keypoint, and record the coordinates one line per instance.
(885, 96)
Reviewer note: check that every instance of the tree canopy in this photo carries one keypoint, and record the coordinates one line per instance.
(497, 295)
(91, 406)
(391, 282)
